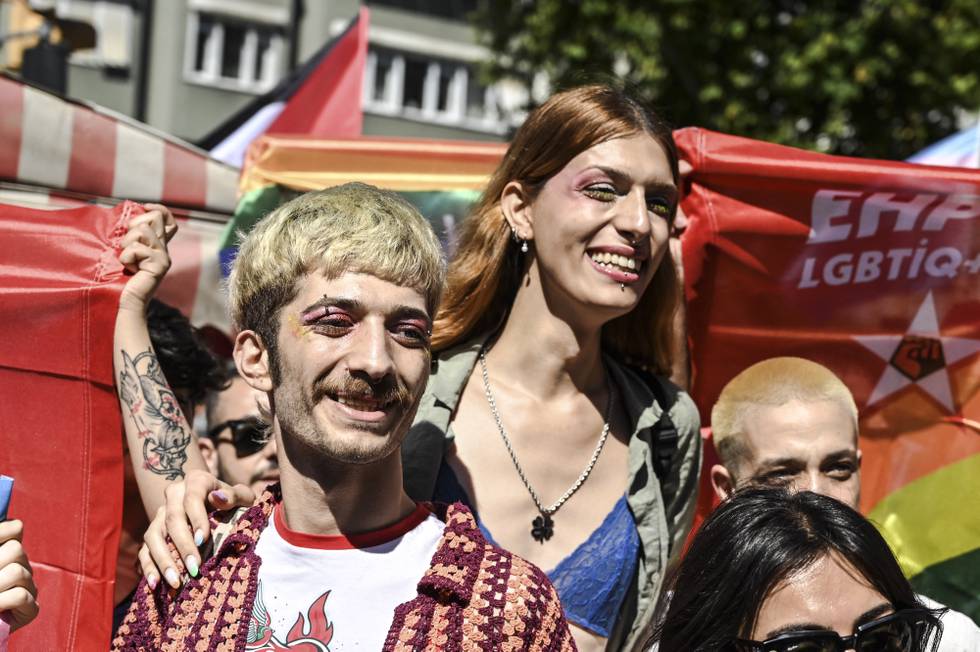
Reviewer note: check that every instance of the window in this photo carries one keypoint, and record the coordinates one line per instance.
(429, 89)
(232, 53)
(452, 9)
(113, 23)
(413, 87)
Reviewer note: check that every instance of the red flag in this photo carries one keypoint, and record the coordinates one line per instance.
(872, 269)
(328, 104)
(62, 435)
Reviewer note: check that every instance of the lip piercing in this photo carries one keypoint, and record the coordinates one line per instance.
(622, 287)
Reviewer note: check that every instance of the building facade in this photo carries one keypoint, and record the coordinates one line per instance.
(183, 66)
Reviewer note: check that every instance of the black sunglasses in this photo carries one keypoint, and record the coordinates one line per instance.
(906, 630)
(247, 435)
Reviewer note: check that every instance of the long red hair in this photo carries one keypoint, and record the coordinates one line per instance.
(484, 275)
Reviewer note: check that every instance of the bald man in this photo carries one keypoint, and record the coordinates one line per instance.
(791, 422)
(787, 422)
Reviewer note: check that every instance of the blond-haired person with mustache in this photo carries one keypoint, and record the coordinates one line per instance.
(333, 296)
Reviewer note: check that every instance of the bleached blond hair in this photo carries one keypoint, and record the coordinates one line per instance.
(350, 228)
(771, 383)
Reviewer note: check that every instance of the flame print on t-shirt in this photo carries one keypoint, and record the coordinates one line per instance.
(311, 633)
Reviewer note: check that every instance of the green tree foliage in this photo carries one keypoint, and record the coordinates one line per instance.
(877, 78)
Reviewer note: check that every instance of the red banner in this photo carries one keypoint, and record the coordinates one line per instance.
(871, 268)
(62, 442)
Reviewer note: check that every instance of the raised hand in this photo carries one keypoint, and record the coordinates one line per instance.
(144, 254)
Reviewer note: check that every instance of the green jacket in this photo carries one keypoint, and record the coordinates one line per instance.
(662, 528)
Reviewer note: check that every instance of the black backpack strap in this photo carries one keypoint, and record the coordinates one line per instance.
(665, 436)
(423, 451)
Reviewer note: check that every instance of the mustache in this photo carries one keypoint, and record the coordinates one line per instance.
(389, 390)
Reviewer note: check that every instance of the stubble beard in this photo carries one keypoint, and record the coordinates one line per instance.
(297, 420)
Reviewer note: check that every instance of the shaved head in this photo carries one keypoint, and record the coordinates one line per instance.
(767, 384)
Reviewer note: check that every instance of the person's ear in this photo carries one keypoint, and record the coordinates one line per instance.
(252, 360)
(516, 208)
(722, 482)
(209, 453)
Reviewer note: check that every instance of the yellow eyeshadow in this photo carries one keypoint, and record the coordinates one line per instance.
(296, 327)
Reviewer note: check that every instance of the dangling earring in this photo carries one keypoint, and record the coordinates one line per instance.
(517, 238)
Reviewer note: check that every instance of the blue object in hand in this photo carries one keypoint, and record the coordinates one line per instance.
(6, 488)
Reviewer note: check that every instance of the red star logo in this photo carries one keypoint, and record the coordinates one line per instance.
(919, 357)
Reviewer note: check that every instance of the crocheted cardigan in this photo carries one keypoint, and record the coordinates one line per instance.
(474, 596)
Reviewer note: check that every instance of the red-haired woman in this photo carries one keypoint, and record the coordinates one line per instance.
(547, 410)
(554, 335)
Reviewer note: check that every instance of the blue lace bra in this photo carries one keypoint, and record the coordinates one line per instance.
(591, 581)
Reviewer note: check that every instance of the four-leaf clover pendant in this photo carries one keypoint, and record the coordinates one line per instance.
(542, 528)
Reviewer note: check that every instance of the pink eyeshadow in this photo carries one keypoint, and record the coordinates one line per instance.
(313, 315)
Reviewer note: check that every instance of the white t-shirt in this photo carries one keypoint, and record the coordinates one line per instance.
(337, 593)
(960, 633)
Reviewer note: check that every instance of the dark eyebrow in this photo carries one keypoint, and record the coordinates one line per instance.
(844, 453)
(408, 312)
(619, 176)
(352, 305)
(872, 613)
(797, 627)
(791, 462)
(867, 616)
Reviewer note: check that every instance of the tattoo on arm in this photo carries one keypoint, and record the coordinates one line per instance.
(156, 413)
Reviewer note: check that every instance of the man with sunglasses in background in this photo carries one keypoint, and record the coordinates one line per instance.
(238, 447)
(790, 422)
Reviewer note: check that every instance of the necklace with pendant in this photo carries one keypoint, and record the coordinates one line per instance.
(543, 526)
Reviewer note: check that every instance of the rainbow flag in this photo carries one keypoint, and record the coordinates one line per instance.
(441, 178)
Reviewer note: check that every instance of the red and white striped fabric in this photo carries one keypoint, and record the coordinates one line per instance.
(56, 154)
(50, 142)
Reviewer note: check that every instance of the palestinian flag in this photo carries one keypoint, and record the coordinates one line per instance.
(321, 98)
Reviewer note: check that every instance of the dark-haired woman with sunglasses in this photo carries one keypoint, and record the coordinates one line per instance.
(774, 571)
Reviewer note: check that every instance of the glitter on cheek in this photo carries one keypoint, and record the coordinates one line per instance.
(298, 328)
